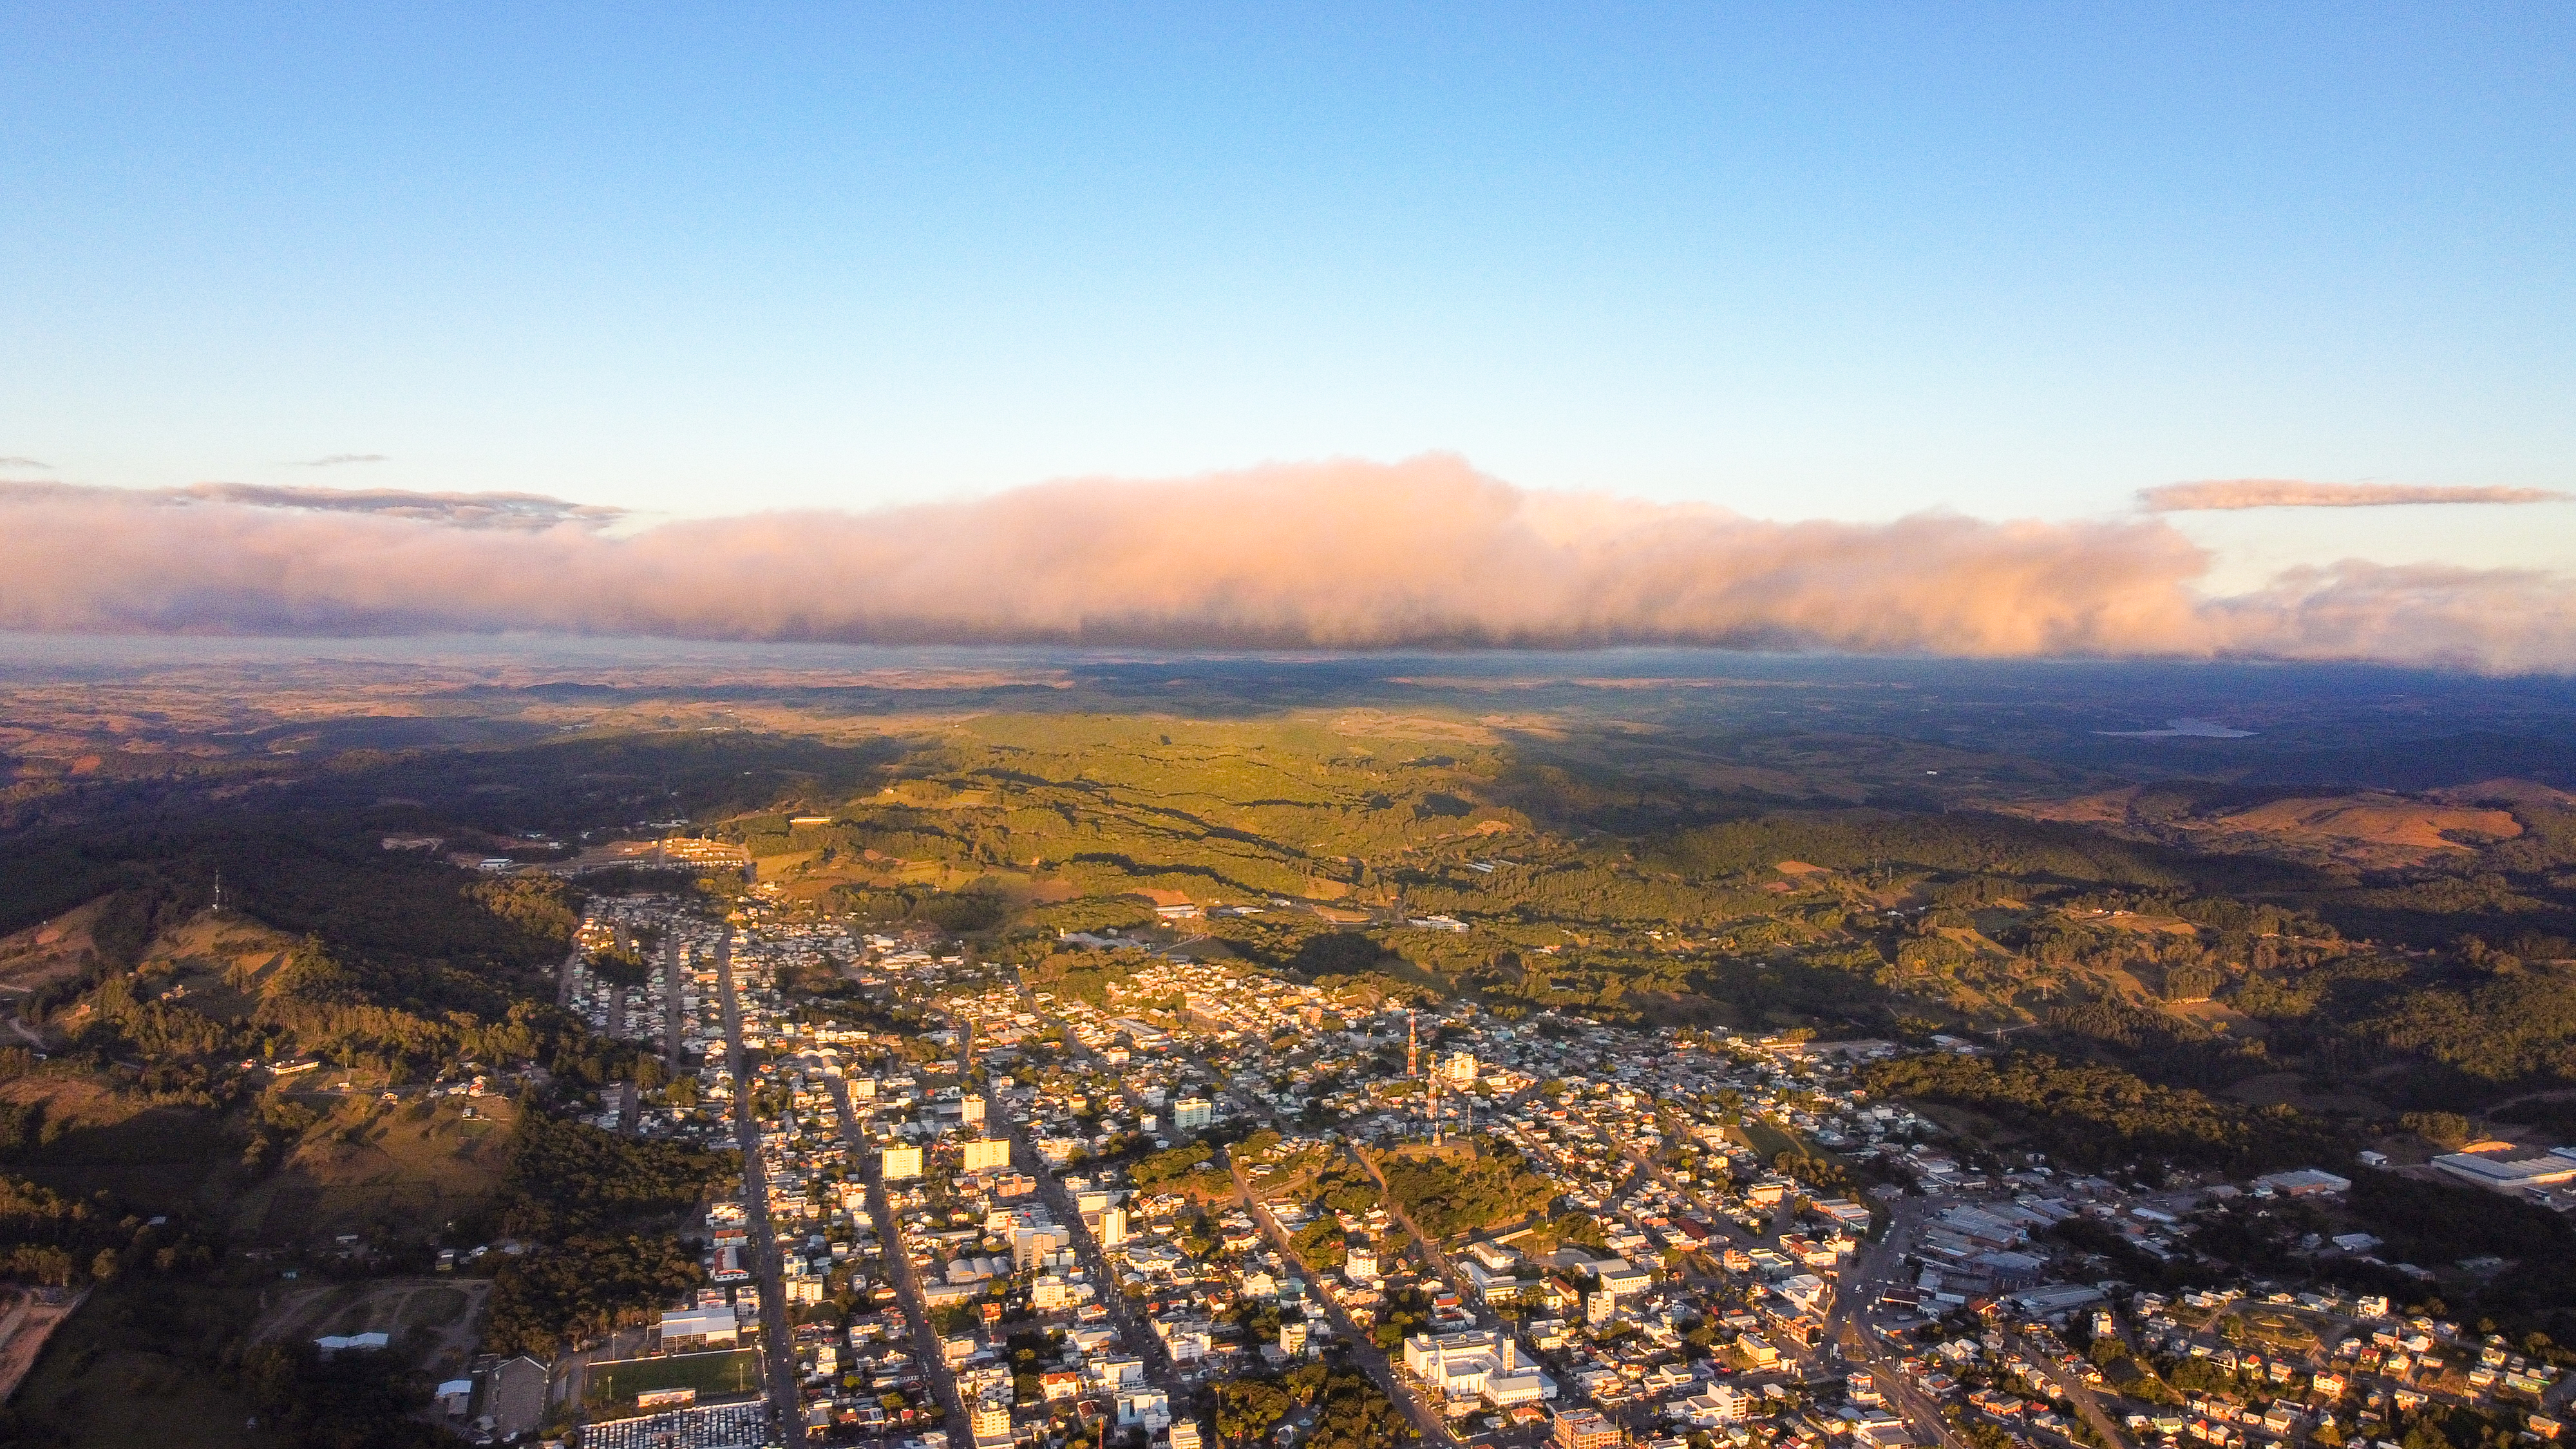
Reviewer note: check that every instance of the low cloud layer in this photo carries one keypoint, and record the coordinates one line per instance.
(2231, 493)
(462, 510)
(1342, 555)
(523, 512)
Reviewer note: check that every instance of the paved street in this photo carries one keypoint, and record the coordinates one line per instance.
(1366, 1354)
(925, 1339)
(675, 1015)
(778, 1346)
(2078, 1393)
(1132, 1330)
(1432, 1254)
(1852, 1325)
(1362, 1351)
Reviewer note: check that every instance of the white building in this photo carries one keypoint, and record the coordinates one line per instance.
(2503, 1174)
(1720, 1405)
(1150, 1408)
(1116, 1371)
(710, 1325)
(1484, 1364)
(1805, 1292)
(1192, 1112)
(1621, 1278)
(1032, 1245)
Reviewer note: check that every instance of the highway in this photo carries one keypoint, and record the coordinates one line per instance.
(778, 1344)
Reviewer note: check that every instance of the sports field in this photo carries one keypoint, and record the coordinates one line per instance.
(723, 1374)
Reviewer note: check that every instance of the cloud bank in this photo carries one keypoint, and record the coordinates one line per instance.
(1338, 555)
(2230, 493)
(462, 510)
(525, 512)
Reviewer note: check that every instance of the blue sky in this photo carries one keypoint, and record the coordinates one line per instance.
(1830, 260)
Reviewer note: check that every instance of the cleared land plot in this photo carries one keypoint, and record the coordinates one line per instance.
(1769, 1139)
(32, 1316)
(215, 965)
(44, 954)
(434, 1320)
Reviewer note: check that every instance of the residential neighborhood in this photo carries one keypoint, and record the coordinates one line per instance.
(1178, 1202)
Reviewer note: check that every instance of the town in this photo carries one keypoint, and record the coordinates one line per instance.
(1170, 1202)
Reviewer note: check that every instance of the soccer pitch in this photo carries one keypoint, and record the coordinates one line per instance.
(724, 1374)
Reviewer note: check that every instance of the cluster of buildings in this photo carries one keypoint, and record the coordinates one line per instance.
(2294, 1362)
(830, 1102)
(994, 1225)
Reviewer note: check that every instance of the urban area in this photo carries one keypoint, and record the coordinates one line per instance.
(1170, 1202)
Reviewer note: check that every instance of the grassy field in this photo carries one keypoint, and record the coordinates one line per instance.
(2276, 1329)
(726, 1373)
(1769, 1139)
(218, 964)
(376, 1167)
(130, 1368)
(164, 1157)
(42, 954)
